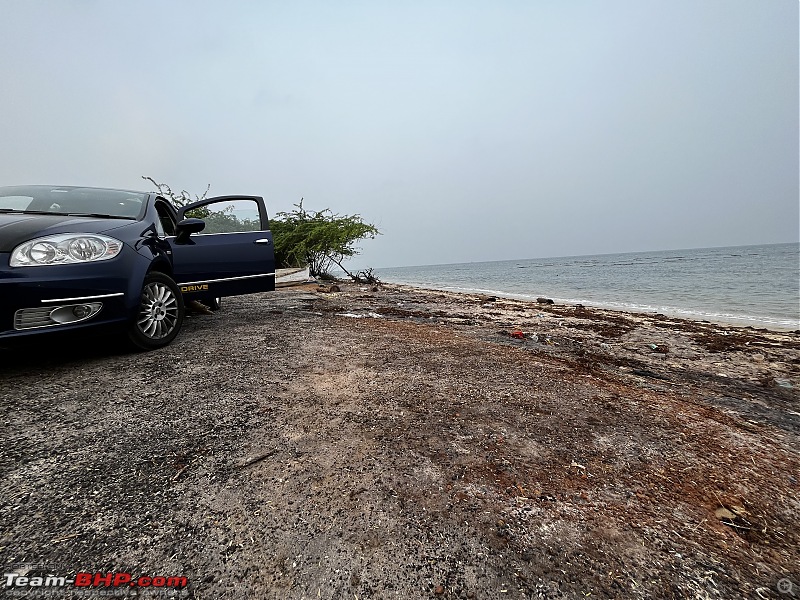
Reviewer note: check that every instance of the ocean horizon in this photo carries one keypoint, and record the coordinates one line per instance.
(756, 286)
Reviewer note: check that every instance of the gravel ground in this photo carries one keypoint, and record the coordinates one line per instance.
(397, 443)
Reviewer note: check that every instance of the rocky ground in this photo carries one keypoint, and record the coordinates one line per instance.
(397, 443)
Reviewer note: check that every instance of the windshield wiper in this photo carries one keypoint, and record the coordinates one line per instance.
(31, 212)
(100, 216)
(64, 214)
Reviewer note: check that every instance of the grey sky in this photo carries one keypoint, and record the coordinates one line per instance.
(467, 131)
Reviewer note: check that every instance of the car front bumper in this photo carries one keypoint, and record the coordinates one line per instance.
(45, 299)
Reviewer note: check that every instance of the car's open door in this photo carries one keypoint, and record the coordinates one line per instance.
(232, 255)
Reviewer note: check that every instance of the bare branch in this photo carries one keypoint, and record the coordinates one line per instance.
(181, 199)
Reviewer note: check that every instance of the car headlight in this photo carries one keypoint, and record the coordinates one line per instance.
(65, 249)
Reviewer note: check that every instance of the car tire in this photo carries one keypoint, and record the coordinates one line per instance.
(214, 303)
(160, 313)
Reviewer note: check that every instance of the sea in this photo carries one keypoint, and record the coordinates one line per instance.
(756, 286)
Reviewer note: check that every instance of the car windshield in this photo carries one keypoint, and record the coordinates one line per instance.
(67, 200)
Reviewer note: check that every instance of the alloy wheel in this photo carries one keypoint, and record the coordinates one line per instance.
(159, 312)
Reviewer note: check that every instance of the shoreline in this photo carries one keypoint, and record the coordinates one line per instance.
(742, 321)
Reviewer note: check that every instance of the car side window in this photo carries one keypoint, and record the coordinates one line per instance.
(165, 225)
(228, 216)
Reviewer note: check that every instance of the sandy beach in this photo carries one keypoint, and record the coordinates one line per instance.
(392, 442)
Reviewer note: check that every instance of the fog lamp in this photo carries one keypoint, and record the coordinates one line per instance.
(82, 310)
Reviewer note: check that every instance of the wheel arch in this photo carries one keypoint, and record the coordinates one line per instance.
(162, 265)
(141, 270)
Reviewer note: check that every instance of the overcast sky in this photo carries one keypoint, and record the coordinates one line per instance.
(466, 131)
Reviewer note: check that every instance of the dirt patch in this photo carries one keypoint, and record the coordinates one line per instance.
(395, 444)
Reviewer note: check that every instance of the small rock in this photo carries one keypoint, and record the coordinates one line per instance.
(438, 590)
(724, 513)
(544, 301)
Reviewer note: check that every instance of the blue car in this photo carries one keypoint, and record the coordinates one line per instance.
(75, 258)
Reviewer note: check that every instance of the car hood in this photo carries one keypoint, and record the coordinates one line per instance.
(16, 229)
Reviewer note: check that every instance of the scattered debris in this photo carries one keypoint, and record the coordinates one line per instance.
(329, 289)
(659, 348)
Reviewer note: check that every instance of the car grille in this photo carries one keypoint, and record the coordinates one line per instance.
(30, 318)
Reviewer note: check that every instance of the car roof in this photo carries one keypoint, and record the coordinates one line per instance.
(71, 187)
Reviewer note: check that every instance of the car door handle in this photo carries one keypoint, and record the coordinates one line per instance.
(262, 241)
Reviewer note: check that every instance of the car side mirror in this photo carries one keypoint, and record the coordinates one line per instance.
(187, 227)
